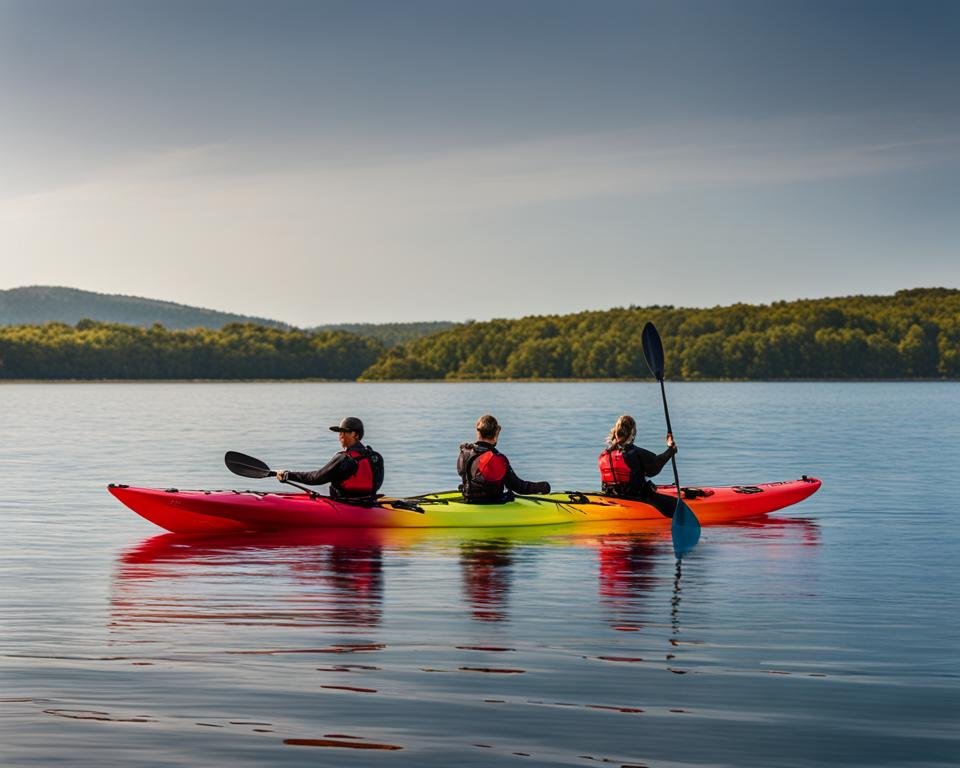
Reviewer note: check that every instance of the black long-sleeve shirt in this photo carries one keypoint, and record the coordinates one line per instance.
(648, 462)
(335, 471)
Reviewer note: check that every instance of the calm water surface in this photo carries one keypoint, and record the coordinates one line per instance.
(825, 636)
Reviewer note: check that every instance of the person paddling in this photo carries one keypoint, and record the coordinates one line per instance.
(624, 467)
(356, 472)
(486, 473)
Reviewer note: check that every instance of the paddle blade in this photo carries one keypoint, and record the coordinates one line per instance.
(684, 529)
(246, 466)
(653, 350)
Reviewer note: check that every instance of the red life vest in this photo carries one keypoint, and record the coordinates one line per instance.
(368, 478)
(613, 467)
(484, 473)
(490, 467)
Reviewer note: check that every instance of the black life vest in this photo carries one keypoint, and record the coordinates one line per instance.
(367, 478)
(484, 472)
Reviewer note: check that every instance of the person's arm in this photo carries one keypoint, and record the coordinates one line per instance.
(651, 462)
(517, 485)
(338, 468)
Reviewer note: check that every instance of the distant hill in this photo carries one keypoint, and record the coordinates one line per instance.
(37, 304)
(391, 334)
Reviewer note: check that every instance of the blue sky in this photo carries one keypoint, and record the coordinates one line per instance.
(320, 161)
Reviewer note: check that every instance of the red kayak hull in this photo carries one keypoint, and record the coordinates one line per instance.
(216, 512)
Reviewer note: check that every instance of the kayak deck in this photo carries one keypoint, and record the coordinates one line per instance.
(212, 512)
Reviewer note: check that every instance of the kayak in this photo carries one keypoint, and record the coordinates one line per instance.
(216, 512)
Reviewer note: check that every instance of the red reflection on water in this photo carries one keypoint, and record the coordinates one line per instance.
(780, 530)
(339, 743)
(627, 570)
(487, 572)
(330, 578)
(625, 710)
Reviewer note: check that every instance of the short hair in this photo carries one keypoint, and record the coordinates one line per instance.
(487, 426)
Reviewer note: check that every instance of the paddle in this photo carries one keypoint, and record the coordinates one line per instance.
(684, 527)
(249, 466)
(246, 466)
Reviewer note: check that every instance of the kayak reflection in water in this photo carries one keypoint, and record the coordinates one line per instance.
(487, 570)
(486, 473)
(356, 472)
(354, 575)
(625, 467)
(627, 577)
(325, 578)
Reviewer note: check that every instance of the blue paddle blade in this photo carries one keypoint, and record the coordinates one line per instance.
(684, 529)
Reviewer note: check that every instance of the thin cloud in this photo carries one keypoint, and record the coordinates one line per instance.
(187, 212)
(656, 160)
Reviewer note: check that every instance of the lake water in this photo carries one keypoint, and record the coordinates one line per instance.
(828, 635)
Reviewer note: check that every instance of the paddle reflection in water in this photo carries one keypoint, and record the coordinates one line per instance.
(330, 579)
(630, 566)
(630, 572)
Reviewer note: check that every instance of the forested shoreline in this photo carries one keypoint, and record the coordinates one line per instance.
(914, 334)
(91, 350)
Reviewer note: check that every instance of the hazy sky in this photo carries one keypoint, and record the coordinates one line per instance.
(322, 161)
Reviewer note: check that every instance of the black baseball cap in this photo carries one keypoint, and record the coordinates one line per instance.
(349, 424)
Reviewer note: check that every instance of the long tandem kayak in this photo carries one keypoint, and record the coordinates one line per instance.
(210, 512)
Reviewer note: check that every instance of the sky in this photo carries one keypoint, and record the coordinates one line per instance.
(366, 161)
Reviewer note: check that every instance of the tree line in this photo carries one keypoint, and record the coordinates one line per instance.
(390, 334)
(912, 334)
(92, 350)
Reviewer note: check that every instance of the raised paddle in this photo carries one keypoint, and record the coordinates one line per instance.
(684, 526)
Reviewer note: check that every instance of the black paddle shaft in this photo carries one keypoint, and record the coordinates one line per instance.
(673, 457)
(684, 528)
(653, 354)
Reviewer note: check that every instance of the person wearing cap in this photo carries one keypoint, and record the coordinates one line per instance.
(356, 472)
(625, 467)
(486, 473)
